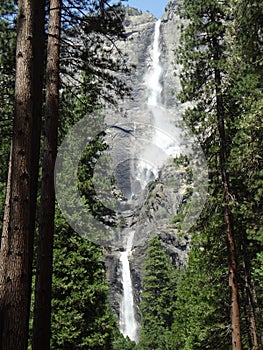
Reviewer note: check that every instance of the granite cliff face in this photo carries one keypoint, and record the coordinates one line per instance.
(138, 46)
(170, 36)
(152, 211)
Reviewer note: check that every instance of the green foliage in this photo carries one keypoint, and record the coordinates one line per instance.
(201, 310)
(88, 179)
(81, 315)
(223, 37)
(121, 343)
(94, 26)
(202, 52)
(76, 102)
(157, 338)
(158, 298)
(201, 316)
(245, 69)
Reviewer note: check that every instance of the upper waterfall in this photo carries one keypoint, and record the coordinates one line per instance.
(153, 77)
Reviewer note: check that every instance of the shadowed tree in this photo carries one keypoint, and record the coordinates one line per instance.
(18, 227)
(42, 311)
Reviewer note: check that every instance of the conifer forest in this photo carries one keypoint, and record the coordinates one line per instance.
(179, 275)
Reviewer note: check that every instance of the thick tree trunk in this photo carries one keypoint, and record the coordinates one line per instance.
(42, 311)
(232, 258)
(18, 226)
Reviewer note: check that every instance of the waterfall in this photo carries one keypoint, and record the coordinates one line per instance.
(164, 141)
(153, 77)
(150, 161)
(163, 144)
(128, 323)
(145, 172)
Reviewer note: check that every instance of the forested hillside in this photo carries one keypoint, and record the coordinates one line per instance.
(57, 66)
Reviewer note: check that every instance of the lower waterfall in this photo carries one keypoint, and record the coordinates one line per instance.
(128, 323)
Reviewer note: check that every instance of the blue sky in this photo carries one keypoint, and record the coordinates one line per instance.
(154, 6)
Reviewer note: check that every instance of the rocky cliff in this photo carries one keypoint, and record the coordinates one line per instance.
(151, 206)
(170, 36)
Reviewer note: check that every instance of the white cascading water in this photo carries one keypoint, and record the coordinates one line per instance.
(147, 170)
(163, 143)
(154, 75)
(128, 323)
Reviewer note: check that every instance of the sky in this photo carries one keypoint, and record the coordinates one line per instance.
(154, 6)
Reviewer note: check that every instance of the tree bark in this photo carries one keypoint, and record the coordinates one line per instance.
(4, 248)
(232, 256)
(42, 311)
(18, 227)
(251, 303)
(250, 307)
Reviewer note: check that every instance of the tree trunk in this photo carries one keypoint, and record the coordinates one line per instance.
(231, 245)
(251, 311)
(18, 226)
(232, 259)
(42, 311)
(4, 247)
(258, 316)
(249, 295)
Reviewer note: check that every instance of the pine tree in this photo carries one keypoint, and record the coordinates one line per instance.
(42, 314)
(81, 315)
(86, 97)
(90, 30)
(203, 56)
(18, 229)
(201, 312)
(157, 298)
(245, 69)
(223, 84)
